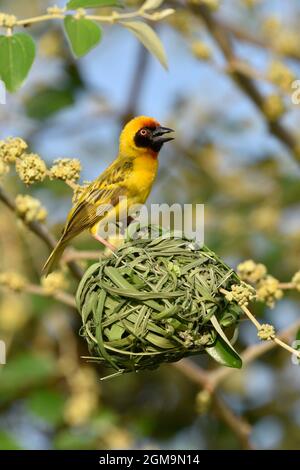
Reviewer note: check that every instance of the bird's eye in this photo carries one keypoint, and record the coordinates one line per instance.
(143, 132)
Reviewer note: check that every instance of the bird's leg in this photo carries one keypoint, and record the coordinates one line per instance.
(104, 242)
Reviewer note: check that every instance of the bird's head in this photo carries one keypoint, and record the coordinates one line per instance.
(143, 135)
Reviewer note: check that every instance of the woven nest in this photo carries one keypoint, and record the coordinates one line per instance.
(155, 301)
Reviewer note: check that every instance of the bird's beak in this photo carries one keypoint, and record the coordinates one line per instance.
(158, 135)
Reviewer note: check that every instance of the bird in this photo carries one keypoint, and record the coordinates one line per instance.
(130, 177)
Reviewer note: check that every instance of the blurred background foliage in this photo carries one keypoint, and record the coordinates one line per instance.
(236, 151)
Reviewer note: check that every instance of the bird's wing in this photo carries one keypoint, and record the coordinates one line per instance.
(98, 197)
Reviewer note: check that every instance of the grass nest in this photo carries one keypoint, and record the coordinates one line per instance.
(155, 301)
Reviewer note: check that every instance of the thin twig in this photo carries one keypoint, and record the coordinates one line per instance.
(237, 424)
(246, 84)
(273, 338)
(76, 255)
(61, 296)
(217, 376)
(246, 36)
(112, 18)
(38, 229)
(286, 285)
(195, 373)
(259, 326)
(136, 84)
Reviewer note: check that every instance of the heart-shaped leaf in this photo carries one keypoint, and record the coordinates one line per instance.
(83, 34)
(17, 53)
(148, 38)
(74, 4)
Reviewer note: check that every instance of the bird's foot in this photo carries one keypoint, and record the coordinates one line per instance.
(104, 242)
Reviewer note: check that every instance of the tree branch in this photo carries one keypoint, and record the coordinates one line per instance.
(246, 36)
(136, 84)
(246, 84)
(40, 230)
(237, 424)
(61, 296)
(217, 376)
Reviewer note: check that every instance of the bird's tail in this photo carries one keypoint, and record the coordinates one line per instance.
(55, 256)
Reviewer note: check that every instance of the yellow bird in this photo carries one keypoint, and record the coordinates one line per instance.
(131, 176)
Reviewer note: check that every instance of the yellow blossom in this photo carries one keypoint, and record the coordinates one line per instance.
(54, 282)
(241, 293)
(287, 42)
(79, 408)
(265, 218)
(12, 280)
(280, 74)
(273, 107)
(268, 291)
(11, 149)
(84, 396)
(80, 13)
(50, 45)
(266, 332)
(118, 438)
(296, 280)
(31, 168)
(4, 168)
(181, 22)
(271, 25)
(83, 379)
(252, 272)
(30, 208)
(55, 10)
(201, 50)
(14, 312)
(7, 21)
(203, 401)
(78, 191)
(66, 169)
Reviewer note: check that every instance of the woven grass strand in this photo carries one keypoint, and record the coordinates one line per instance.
(152, 302)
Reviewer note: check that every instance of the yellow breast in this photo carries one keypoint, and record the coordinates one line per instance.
(138, 184)
(142, 177)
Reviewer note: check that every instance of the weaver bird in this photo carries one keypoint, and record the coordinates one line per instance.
(130, 176)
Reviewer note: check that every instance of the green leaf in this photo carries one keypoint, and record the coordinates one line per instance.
(115, 332)
(72, 440)
(47, 405)
(47, 102)
(23, 371)
(83, 34)
(8, 442)
(74, 4)
(223, 354)
(148, 38)
(17, 53)
(217, 327)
